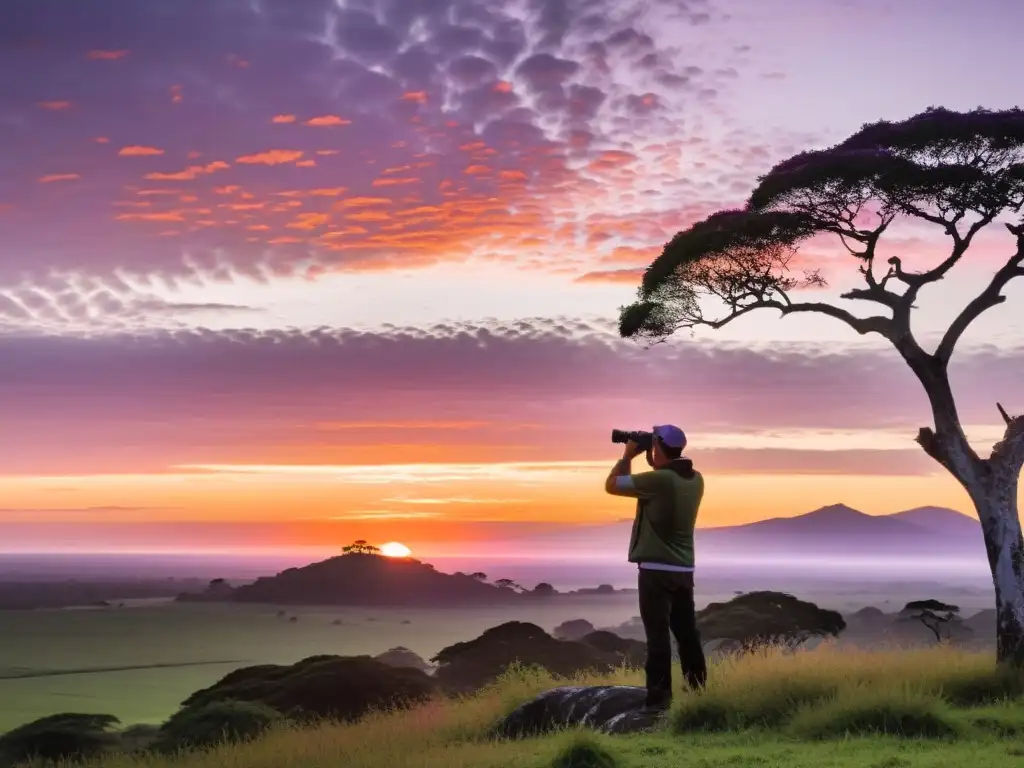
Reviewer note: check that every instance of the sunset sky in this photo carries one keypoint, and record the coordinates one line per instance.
(284, 273)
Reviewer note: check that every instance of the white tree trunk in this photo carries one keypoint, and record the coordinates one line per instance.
(992, 485)
(997, 510)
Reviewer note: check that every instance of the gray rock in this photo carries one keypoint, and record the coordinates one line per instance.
(606, 708)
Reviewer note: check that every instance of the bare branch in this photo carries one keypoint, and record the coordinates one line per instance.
(862, 325)
(988, 298)
(961, 244)
(1003, 413)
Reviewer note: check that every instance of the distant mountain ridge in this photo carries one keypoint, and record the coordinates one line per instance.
(839, 518)
(832, 529)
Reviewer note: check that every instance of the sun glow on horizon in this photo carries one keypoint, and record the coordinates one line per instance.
(395, 549)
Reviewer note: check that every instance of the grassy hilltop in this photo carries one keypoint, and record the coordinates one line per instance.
(892, 709)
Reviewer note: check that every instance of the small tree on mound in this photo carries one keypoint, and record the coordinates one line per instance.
(360, 547)
(758, 619)
(957, 172)
(934, 614)
(66, 736)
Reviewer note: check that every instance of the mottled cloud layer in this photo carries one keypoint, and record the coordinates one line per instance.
(304, 135)
(533, 391)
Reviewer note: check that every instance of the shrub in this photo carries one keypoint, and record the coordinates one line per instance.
(864, 712)
(66, 736)
(219, 721)
(584, 751)
(761, 703)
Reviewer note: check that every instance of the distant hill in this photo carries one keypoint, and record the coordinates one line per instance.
(365, 579)
(833, 520)
(836, 528)
(940, 520)
(841, 529)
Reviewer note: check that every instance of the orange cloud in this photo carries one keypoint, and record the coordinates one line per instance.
(370, 216)
(284, 240)
(503, 86)
(419, 97)
(365, 202)
(283, 119)
(228, 190)
(327, 121)
(54, 106)
(306, 163)
(101, 140)
(105, 55)
(176, 94)
(396, 182)
(479, 170)
(271, 157)
(258, 227)
(189, 173)
(633, 276)
(165, 216)
(327, 151)
(328, 191)
(49, 178)
(513, 176)
(309, 221)
(139, 151)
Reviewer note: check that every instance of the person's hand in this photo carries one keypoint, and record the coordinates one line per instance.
(632, 450)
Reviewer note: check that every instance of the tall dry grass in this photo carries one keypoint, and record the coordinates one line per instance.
(808, 695)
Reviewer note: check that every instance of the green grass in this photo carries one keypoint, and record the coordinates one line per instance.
(55, 661)
(895, 709)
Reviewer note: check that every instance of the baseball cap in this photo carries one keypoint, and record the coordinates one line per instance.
(670, 435)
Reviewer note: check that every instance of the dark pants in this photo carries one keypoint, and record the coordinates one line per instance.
(666, 609)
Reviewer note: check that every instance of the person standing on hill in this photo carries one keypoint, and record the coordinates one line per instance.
(661, 544)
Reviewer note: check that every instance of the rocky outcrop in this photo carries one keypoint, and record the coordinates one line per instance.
(607, 708)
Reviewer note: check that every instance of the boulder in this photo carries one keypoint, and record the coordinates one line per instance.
(610, 709)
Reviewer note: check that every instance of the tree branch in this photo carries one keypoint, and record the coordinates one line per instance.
(988, 298)
(862, 325)
(961, 244)
(1004, 414)
(1009, 451)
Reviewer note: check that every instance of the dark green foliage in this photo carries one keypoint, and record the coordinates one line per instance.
(584, 752)
(219, 721)
(957, 171)
(763, 618)
(472, 664)
(726, 242)
(332, 687)
(1001, 683)
(66, 736)
(908, 716)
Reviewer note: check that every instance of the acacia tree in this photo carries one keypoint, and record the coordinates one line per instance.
(934, 614)
(360, 547)
(958, 172)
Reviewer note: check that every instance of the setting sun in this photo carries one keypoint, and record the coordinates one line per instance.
(394, 549)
